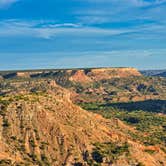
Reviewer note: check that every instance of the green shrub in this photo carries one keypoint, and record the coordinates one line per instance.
(97, 156)
(5, 162)
(32, 143)
(109, 150)
(6, 123)
(150, 151)
(78, 164)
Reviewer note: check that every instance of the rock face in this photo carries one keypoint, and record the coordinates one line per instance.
(46, 128)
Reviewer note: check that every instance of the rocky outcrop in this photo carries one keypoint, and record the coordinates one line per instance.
(80, 76)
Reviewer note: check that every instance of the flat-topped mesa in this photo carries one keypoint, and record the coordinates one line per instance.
(132, 71)
(108, 73)
(89, 75)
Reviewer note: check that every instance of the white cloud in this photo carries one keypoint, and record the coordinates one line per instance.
(107, 11)
(67, 25)
(47, 30)
(17, 28)
(6, 3)
(129, 2)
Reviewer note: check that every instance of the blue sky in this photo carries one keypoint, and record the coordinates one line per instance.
(82, 33)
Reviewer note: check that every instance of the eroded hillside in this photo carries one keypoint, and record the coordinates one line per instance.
(39, 125)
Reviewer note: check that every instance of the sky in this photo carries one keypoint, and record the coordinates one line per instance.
(36, 34)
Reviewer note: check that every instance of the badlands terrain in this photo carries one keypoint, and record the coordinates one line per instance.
(82, 117)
